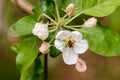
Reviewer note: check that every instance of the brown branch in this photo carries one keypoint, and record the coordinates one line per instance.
(45, 76)
(24, 5)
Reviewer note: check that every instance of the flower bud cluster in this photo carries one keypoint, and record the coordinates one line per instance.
(70, 43)
(41, 30)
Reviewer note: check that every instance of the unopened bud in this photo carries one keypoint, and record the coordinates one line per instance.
(91, 22)
(41, 30)
(81, 66)
(44, 48)
(70, 9)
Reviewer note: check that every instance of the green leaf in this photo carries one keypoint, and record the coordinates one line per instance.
(38, 66)
(114, 20)
(47, 6)
(51, 37)
(35, 71)
(28, 51)
(54, 52)
(37, 13)
(98, 8)
(24, 26)
(102, 40)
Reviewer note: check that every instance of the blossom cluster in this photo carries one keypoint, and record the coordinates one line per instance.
(69, 42)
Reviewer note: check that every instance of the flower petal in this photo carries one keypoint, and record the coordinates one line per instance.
(64, 34)
(77, 35)
(80, 46)
(59, 45)
(69, 56)
(59, 34)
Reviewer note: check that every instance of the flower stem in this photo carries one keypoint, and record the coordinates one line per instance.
(45, 77)
(74, 17)
(50, 18)
(64, 16)
(75, 26)
(56, 7)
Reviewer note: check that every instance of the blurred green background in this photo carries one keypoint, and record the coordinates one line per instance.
(99, 68)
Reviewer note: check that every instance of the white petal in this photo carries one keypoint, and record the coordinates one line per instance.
(63, 34)
(77, 35)
(43, 33)
(59, 45)
(59, 34)
(81, 46)
(69, 56)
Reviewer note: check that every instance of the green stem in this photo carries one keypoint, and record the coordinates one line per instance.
(51, 24)
(52, 30)
(50, 18)
(73, 18)
(64, 16)
(56, 7)
(75, 26)
(52, 27)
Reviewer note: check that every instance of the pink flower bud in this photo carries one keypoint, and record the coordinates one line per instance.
(91, 22)
(41, 30)
(70, 9)
(81, 66)
(44, 48)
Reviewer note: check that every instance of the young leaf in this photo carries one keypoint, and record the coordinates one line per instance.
(98, 8)
(15, 48)
(24, 26)
(47, 6)
(28, 51)
(102, 40)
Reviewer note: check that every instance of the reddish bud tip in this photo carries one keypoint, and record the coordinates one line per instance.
(70, 9)
(81, 66)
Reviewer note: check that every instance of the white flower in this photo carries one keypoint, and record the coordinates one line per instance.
(70, 9)
(70, 44)
(44, 48)
(81, 66)
(91, 22)
(41, 30)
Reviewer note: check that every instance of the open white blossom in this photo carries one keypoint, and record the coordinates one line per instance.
(70, 44)
(41, 30)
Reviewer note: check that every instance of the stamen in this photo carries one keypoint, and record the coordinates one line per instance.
(70, 43)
